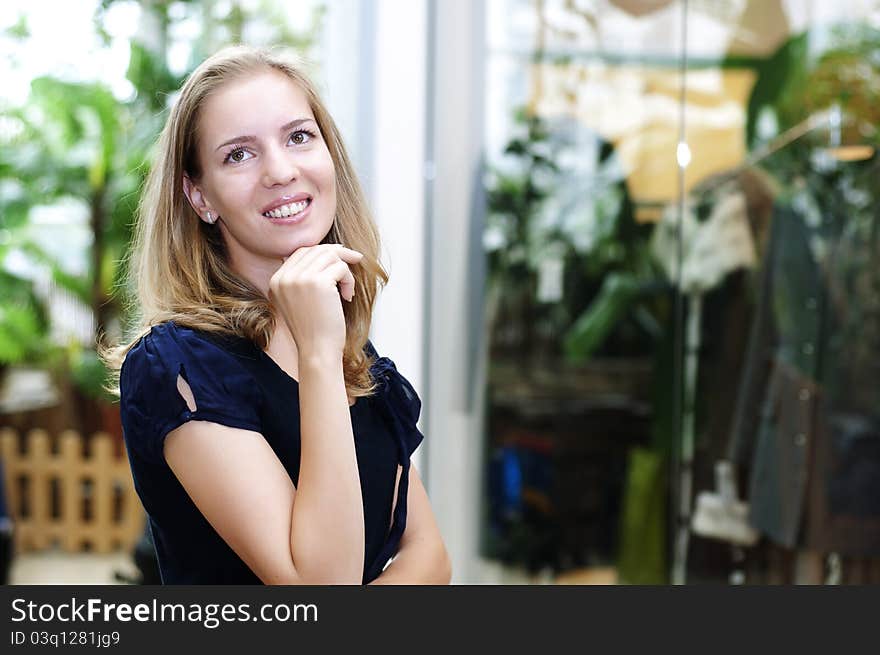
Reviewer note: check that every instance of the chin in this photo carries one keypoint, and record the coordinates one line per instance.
(304, 241)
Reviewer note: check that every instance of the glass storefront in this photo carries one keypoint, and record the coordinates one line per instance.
(681, 294)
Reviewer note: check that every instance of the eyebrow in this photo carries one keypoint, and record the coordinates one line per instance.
(246, 138)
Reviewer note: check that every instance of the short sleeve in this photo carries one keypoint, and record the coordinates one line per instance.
(151, 405)
(399, 400)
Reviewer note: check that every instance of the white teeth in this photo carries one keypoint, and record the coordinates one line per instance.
(288, 210)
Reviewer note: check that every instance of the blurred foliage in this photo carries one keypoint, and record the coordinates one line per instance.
(828, 65)
(560, 195)
(75, 142)
(23, 324)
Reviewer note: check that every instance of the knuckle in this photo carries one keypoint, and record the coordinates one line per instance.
(288, 281)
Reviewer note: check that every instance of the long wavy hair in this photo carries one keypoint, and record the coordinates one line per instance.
(178, 266)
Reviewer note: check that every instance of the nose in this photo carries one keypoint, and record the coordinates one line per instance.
(279, 167)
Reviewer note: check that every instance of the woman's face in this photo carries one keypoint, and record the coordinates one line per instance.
(266, 171)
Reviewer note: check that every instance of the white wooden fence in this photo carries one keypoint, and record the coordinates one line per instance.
(65, 492)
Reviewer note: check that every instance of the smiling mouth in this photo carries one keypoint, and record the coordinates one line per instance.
(287, 211)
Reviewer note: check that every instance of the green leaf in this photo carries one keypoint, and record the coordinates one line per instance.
(90, 374)
(149, 74)
(20, 29)
(786, 67)
(21, 333)
(615, 298)
(85, 113)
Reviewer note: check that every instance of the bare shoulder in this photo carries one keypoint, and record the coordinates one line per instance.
(237, 482)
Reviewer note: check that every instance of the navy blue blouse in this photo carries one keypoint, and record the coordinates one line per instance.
(235, 383)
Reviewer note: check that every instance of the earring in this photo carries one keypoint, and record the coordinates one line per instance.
(209, 217)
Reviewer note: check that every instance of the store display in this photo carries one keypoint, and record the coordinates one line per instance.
(744, 279)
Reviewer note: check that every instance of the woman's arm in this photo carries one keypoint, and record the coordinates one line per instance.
(235, 479)
(422, 557)
(327, 524)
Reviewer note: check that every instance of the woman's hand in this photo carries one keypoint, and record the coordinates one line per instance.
(304, 290)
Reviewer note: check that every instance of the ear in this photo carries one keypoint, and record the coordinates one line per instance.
(196, 198)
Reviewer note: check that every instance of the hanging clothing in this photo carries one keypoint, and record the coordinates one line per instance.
(807, 419)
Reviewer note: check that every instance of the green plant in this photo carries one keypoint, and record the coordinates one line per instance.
(559, 207)
(75, 147)
(23, 324)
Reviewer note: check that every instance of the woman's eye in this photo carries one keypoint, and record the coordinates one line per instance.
(301, 136)
(236, 156)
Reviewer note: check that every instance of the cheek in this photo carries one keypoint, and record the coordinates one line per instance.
(331, 184)
(324, 169)
(229, 193)
(328, 180)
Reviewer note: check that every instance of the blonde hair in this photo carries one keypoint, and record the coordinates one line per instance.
(178, 264)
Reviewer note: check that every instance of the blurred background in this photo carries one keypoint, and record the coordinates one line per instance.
(631, 248)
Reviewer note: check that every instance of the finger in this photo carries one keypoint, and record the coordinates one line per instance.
(349, 255)
(343, 253)
(317, 257)
(341, 274)
(319, 264)
(326, 259)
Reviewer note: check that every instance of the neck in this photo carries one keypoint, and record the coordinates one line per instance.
(255, 269)
(258, 273)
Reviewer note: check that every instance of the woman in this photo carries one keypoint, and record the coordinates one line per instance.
(267, 440)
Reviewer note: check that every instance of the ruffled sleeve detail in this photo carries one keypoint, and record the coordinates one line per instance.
(400, 399)
(401, 406)
(151, 404)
